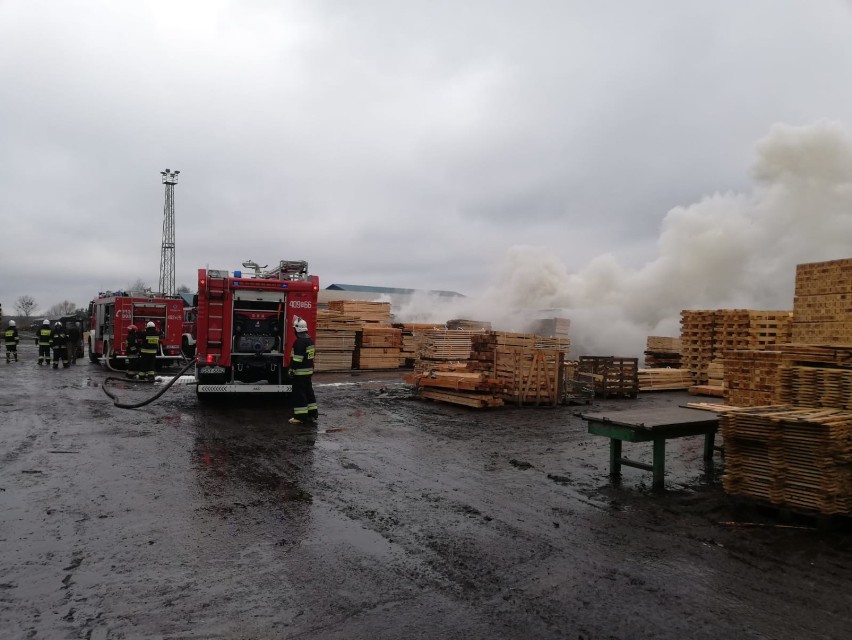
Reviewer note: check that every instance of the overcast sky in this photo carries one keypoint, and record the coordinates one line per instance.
(592, 156)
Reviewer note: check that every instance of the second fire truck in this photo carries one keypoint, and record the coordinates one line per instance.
(113, 312)
(244, 331)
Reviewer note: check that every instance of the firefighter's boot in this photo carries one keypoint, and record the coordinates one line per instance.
(55, 365)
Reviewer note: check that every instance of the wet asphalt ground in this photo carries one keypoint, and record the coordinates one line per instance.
(394, 518)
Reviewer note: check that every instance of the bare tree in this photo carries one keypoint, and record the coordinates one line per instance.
(139, 285)
(26, 306)
(64, 308)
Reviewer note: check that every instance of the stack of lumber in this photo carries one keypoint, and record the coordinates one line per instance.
(708, 335)
(335, 340)
(412, 337)
(792, 457)
(613, 376)
(442, 345)
(662, 352)
(664, 379)
(377, 347)
(460, 324)
(822, 312)
(751, 377)
(379, 312)
(448, 384)
(551, 327)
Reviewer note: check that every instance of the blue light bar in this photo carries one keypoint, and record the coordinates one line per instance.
(238, 274)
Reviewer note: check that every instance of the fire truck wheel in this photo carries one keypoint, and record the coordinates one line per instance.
(93, 357)
(188, 349)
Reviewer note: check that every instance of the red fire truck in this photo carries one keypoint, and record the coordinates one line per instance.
(112, 313)
(244, 328)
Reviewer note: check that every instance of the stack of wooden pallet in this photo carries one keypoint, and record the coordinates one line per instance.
(662, 352)
(751, 377)
(377, 347)
(613, 376)
(822, 313)
(715, 381)
(335, 340)
(412, 338)
(504, 367)
(696, 335)
(526, 371)
(708, 335)
(664, 379)
(793, 457)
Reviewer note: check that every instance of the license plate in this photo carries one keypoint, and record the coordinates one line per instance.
(212, 370)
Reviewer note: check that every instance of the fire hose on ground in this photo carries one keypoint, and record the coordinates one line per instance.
(136, 405)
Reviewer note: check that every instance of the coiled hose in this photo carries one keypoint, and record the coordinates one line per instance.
(136, 405)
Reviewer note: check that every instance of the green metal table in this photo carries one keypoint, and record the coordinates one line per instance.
(655, 426)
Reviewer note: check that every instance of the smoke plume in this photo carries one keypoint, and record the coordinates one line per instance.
(727, 251)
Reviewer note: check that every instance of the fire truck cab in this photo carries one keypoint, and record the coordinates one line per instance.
(244, 326)
(113, 312)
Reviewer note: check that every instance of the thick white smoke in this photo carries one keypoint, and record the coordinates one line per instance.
(732, 250)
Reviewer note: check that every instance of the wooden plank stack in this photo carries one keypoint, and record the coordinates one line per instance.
(335, 341)
(412, 338)
(443, 345)
(451, 384)
(551, 327)
(377, 347)
(792, 457)
(365, 311)
(460, 324)
(663, 352)
(613, 376)
(663, 379)
(751, 377)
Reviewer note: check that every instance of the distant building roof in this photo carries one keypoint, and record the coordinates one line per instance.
(187, 299)
(360, 288)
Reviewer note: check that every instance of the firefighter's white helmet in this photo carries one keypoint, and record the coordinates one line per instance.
(57, 324)
(150, 325)
(46, 322)
(300, 325)
(11, 323)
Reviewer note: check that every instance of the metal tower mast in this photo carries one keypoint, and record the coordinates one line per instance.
(167, 256)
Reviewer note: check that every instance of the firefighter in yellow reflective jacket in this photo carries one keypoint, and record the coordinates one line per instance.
(148, 352)
(59, 344)
(42, 339)
(10, 338)
(301, 372)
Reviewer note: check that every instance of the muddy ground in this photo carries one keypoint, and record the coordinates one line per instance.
(394, 518)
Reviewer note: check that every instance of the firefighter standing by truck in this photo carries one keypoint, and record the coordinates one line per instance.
(132, 352)
(148, 351)
(59, 343)
(42, 339)
(10, 337)
(301, 372)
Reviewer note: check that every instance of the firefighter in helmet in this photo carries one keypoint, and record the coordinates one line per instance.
(11, 339)
(42, 339)
(59, 343)
(301, 372)
(148, 351)
(132, 352)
